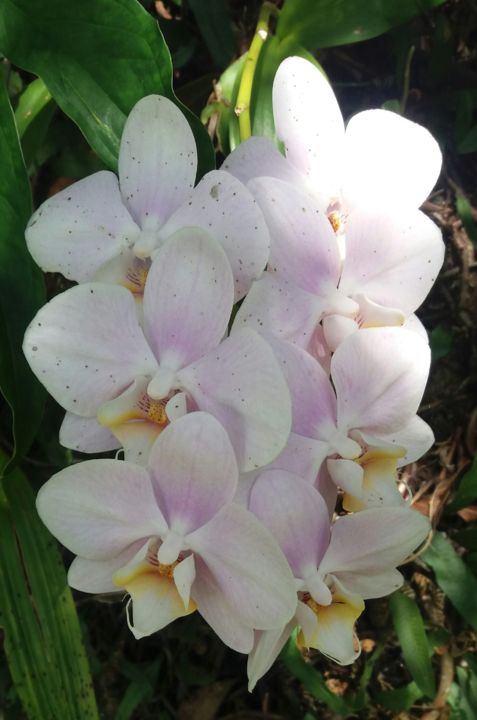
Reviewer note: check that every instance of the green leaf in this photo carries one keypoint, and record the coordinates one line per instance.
(409, 627)
(33, 115)
(43, 641)
(440, 341)
(468, 143)
(97, 59)
(213, 21)
(453, 577)
(311, 679)
(399, 699)
(21, 287)
(464, 211)
(467, 490)
(325, 23)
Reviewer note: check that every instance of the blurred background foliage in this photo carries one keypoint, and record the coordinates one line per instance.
(70, 74)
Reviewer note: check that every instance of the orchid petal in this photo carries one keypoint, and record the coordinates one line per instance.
(308, 120)
(137, 439)
(191, 486)
(415, 325)
(304, 248)
(86, 346)
(379, 375)
(99, 507)
(217, 612)
(296, 515)
(259, 157)
(313, 397)
(248, 566)
(392, 259)
(275, 306)
(336, 328)
(223, 207)
(302, 456)
(388, 157)
(157, 161)
(86, 435)
(266, 648)
(188, 297)
(80, 228)
(241, 384)
(373, 541)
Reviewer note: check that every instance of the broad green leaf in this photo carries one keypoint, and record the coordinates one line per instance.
(399, 699)
(453, 577)
(409, 627)
(213, 21)
(21, 287)
(325, 23)
(33, 115)
(43, 641)
(467, 490)
(97, 59)
(312, 680)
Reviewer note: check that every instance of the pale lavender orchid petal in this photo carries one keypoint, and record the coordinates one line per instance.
(248, 566)
(241, 384)
(259, 157)
(302, 456)
(309, 122)
(379, 375)
(313, 397)
(223, 207)
(86, 435)
(327, 489)
(276, 306)
(415, 325)
(155, 176)
(373, 541)
(137, 439)
(191, 485)
(393, 259)
(296, 515)
(99, 507)
(218, 613)
(266, 648)
(372, 585)
(86, 346)
(80, 228)
(387, 157)
(304, 248)
(415, 437)
(188, 298)
(96, 576)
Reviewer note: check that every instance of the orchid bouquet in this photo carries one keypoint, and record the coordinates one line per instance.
(248, 346)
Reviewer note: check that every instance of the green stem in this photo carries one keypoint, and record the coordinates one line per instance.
(242, 107)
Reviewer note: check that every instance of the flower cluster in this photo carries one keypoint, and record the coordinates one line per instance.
(259, 484)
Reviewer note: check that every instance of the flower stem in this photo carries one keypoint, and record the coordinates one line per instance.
(242, 107)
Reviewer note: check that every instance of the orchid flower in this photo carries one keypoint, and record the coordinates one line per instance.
(381, 161)
(358, 429)
(335, 569)
(171, 537)
(87, 347)
(389, 266)
(102, 229)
